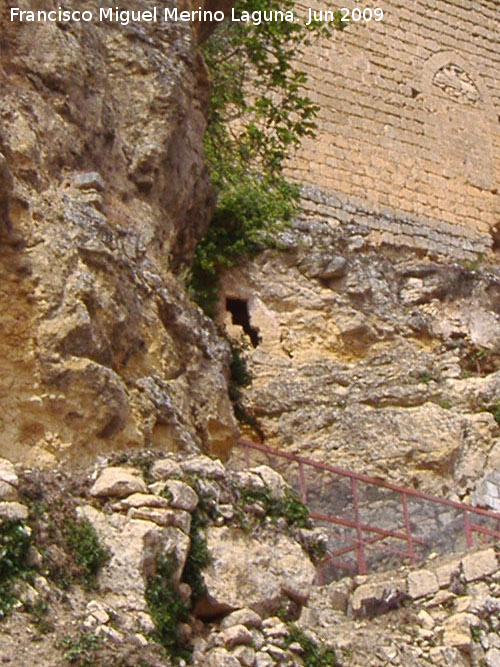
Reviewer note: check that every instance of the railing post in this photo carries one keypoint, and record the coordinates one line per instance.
(360, 548)
(469, 539)
(302, 483)
(411, 550)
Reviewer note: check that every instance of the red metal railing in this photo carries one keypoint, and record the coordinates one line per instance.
(360, 536)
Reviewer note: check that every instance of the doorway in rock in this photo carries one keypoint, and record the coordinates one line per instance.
(239, 313)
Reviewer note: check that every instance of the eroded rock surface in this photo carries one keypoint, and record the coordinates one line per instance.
(103, 196)
(387, 366)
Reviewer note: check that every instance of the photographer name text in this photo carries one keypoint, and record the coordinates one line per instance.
(167, 15)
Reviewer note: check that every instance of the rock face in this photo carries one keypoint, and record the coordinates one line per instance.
(388, 366)
(103, 196)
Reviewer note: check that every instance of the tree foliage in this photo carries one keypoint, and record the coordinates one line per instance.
(259, 114)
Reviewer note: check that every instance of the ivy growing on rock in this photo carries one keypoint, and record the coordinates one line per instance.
(259, 113)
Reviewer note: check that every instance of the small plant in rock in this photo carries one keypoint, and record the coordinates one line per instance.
(15, 540)
(167, 609)
(80, 649)
(426, 378)
(313, 655)
(317, 551)
(198, 556)
(475, 634)
(83, 542)
(289, 507)
(166, 493)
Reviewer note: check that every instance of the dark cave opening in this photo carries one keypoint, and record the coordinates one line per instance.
(239, 312)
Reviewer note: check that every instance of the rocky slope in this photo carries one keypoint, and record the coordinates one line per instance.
(103, 195)
(165, 560)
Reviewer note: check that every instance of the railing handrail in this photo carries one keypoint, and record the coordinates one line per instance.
(368, 480)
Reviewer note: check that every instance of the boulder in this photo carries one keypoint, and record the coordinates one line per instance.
(140, 500)
(183, 496)
(12, 511)
(220, 657)
(204, 466)
(118, 482)
(134, 546)
(165, 468)
(245, 616)
(246, 572)
(163, 517)
(8, 473)
(422, 583)
(373, 598)
(479, 564)
(262, 478)
(236, 635)
(7, 491)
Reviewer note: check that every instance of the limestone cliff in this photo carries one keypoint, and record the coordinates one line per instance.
(375, 359)
(103, 196)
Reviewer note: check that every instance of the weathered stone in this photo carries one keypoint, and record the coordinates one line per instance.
(479, 564)
(270, 564)
(262, 478)
(493, 657)
(375, 598)
(220, 657)
(12, 511)
(8, 473)
(339, 593)
(98, 612)
(274, 627)
(25, 593)
(245, 654)
(441, 598)
(445, 572)
(163, 517)
(263, 660)
(276, 652)
(245, 616)
(204, 466)
(183, 496)
(101, 347)
(236, 634)
(422, 583)
(7, 491)
(165, 468)
(457, 630)
(425, 619)
(89, 180)
(134, 547)
(140, 500)
(118, 482)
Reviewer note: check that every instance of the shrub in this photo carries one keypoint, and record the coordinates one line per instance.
(312, 654)
(289, 507)
(259, 113)
(15, 540)
(83, 541)
(167, 608)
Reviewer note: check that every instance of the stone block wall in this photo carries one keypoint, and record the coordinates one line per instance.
(409, 123)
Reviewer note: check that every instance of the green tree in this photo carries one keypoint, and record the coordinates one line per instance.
(259, 113)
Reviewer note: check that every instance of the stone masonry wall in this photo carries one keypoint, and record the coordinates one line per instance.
(409, 123)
